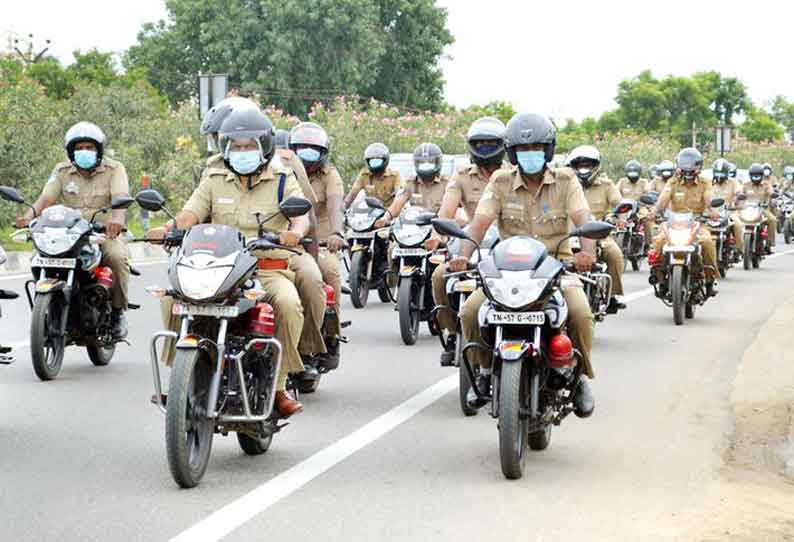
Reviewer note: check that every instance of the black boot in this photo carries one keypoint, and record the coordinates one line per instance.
(118, 322)
(448, 355)
(583, 400)
(615, 305)
(483, 384)
(310, 371)
(711, 288)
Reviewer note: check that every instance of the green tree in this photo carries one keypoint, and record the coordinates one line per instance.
(760, 126)
(783, 113)
(641, 103)
(93, 67)
(57, 82)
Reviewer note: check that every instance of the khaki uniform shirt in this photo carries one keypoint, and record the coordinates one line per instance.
(428, 195)
(466, 187)
(726, 190)
(383, 186)
(686, 196)
(87, 194)
(325, 182)
(658, 184)
(221, 199)
(632, 190)
(543, 215)
(761, 192)
(602, 196)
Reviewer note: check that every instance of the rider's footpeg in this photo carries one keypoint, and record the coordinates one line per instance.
(345, 324)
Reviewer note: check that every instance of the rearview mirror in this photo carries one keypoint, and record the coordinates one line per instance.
(374, 202)
(717, 202)
(121, 202)
(594, 229)
(650, 198)
(294, 207)
(425, 219)
(150, 200)
(448, 227)
(741, 197)
(11, 194)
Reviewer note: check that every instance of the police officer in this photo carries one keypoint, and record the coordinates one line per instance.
(251, 182)
(769, 175)
(485, 140)
(602, 197)
(376, 179)
(633, 185)
(788, 179)
(726, 188)
(532, 199)
(759, 189)
(89, 181)
(666, 172)
(689, 192)
(308, 277)
(733, 171)
(311, 144)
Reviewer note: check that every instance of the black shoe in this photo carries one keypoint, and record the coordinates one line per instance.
(711, 289)
(615, 305)
(118, 322)
(770, 249)
(448, 355)
(484, 387)
(328, 361)
(310, 371)
(583, 400)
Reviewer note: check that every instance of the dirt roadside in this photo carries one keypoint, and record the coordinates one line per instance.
(752, 498)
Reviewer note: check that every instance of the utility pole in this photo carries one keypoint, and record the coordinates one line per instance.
(29, 57)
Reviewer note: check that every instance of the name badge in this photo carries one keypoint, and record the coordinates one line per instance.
(223, 201)
(72, 188)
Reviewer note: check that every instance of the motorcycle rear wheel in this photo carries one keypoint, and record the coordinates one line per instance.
(677, 291)
(99, 355)
(513, 426)
(46, 348)
(188, 431)
(748, 251)
(787, 232)
(253, 445)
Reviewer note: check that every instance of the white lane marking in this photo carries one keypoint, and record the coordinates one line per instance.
(15, 277)
(147, 263)
(637, 295)
(240, 511)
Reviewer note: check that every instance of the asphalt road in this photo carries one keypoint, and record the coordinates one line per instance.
(382, 451)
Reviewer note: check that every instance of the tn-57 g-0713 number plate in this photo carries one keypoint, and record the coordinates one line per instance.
(410, 252)
(62, 263)
(216, 311)
(517, 318)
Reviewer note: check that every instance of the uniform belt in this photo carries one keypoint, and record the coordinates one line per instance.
(269, 264)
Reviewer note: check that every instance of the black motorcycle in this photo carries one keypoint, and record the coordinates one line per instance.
(535, 369)
(5, 351)
(71, 291)
(721, 229)
(414, 289)
(756, 233)
(629, 234)
(369, 252)
(227, 359)
(787, 211)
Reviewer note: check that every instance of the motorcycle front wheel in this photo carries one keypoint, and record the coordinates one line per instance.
(513, 425)
(677, 291)
(47, 344)
(748, 251)
(464, 382)
(787, 232)
(407, 306)
(188, 430)
(359, 288)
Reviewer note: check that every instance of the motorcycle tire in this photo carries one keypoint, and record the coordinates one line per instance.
(188, 442)
(540, 440)
(47, 349)
(308, 386)
(253, 445)
(99, 355)
(464, 383)
(636, 264)
(689, 310)
(385, 294)
(359, 289)
(513, 426)
(748, 251)
(787, 233)
(408, 310)
(677, 291)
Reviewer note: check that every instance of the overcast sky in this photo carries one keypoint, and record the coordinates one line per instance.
(560, 57)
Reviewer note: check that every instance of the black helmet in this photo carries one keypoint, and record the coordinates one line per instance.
(585, 160)
(281, 139)
(768, 171)
(732, 170)
(215, 115)
(689, 162)
(82, 132)
(756, 173)
(788, 173)
(720, 170)
(654, 170)
(486, 139)
(307, 137)
(633, 170)
(527, 129)
(248, 124)
(376, 156)
(427, 161)
(666, 169)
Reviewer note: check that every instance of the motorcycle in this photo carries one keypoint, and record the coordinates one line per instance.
(5, 351)
(724, 241)
(629, 234)
(756, 234)
(683, 285)
(71, 290)
(223, 378)
(787, 209)
(369, 252)
(535, 369)
(414, 289)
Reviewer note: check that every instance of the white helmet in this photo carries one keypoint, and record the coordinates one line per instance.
(583, 152)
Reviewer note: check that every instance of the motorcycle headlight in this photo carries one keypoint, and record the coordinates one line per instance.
(361, 222)
(749, 215)
(679, 237)
(513, 290)
(54, 241)
(199, 284)
(411, 234)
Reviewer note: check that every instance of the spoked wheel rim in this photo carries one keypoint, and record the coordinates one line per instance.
(53, 345)
(197, 426)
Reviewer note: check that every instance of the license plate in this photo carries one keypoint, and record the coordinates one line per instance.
(63, 263)
(684, 248)
(363, 235)
(517, 318)
(216, 311)
(410, 252)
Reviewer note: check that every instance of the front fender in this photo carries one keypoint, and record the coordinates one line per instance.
(49, 286)
(188, 342)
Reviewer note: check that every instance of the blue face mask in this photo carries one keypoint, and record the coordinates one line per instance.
(245, 162)
(531, 162)
(85, 159)
(375, 163)
(308, 154)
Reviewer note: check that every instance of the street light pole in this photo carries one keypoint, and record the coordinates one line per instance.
(29, 57)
